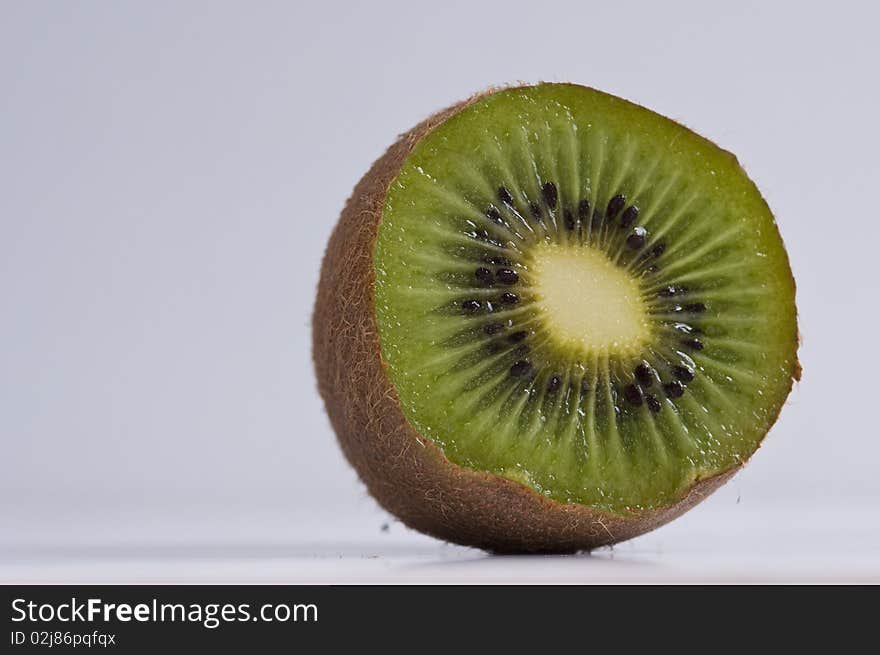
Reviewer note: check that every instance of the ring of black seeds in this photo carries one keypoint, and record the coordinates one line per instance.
(521, 363)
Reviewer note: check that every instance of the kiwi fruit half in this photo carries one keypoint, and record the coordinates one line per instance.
(550, 319)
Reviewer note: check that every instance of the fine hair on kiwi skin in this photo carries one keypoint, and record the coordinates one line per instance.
(409, 473)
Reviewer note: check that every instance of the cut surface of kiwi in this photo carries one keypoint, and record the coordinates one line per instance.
(583, 296)
(551, 319)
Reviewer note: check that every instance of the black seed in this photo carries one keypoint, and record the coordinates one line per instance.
(658, 249)
(496, 261)
(644, 374)
(615, 205)
(507, 276)
(492, 328)
(695, 308)
(585, 385)
(637, 239)
(553, 384)
(521, 351)
(583, 208)
(535, 211)
(673, 389)
(682, 373)
(633, 394)
(504, 195)
(470, 306)
(684, 327)
(653, 268)
(521, 368)
(667, 292)
(493, 214)
(516, 337)
(629, 216)
(693, 344)
(569, 219)
(494, 348)
(483, 275)
(551, 195)
(508, 298)
(653, 404)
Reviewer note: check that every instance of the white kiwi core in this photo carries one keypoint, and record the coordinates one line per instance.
(587, 302)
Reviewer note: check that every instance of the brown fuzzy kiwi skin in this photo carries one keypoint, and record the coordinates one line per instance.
(405, 472)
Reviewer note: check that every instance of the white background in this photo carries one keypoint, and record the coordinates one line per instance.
(170, 173)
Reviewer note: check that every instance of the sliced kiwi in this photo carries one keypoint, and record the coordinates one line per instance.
(551, 319)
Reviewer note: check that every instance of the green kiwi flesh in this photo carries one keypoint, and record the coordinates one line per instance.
(476, 231)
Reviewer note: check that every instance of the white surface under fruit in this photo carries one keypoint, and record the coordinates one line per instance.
(726, 539)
